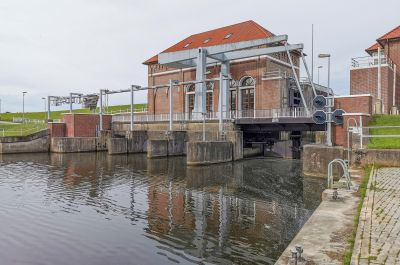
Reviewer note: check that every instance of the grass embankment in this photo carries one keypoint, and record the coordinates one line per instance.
(21, 129)
(385, 143)
(362, 191)
(57, 114)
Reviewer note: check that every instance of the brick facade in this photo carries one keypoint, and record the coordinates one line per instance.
(365, 79)
(351, 104)
(268, 93)
(79, 125)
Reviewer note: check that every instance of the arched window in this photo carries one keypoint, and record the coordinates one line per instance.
(247, 96)
(190, 97)
(233, 85)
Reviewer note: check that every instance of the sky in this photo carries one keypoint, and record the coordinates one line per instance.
(54, 47)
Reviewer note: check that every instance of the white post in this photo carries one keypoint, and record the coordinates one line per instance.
(170, 105)
(132, 106)
(362, 132)
(220, 109)
(394, 85)
(330, 105)
(379, 96)
(48, 108)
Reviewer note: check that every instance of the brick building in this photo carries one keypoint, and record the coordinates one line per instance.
(378, 73)
(257, 83)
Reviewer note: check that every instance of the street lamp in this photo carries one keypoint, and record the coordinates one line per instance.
(45, 114)
(319, 67)
(23, 106)
(331, 103)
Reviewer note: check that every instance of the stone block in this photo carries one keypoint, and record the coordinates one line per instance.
(211, 152)
(117, 146)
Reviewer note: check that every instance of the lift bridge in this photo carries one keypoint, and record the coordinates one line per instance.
(292, 117)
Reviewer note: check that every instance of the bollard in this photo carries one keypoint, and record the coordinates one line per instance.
(294, 255)
(335, 194)
(299, 250)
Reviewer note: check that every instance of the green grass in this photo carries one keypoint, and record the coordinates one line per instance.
(57, 114)
(362, 191)
(20, 129)
(385, 143)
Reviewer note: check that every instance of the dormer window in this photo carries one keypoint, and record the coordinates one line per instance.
(186, 45)
(227, 36)
(206, 40)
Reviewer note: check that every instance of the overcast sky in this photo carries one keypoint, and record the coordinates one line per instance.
(53, 47)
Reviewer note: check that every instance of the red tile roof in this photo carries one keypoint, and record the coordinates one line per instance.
(393, 34)
(372, 48)
(244, 31)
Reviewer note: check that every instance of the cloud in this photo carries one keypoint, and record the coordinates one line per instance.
(56, 47)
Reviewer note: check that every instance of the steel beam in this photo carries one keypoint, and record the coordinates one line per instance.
(296, 79)
(235, 55)
(170, 57)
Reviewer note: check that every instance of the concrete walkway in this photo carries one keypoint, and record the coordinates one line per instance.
(378, 234)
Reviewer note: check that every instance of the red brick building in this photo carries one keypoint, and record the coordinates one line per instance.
(380, 68)
(258, 83)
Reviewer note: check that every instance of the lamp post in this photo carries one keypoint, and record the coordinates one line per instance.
(330, 102)
(23, 106)
(319, 67)
(45, 114)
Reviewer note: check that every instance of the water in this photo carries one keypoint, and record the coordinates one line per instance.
(99, 209)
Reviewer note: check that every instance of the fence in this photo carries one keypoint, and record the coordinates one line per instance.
(23, 120)
(20, 131)
(231, 115)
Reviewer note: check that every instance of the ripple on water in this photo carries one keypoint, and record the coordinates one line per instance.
(96, 209)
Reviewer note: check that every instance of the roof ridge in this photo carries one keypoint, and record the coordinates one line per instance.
(383, 36)
(261, 28)
(227, 26)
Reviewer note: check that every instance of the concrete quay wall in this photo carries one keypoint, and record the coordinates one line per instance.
(317, 157)
(35, 143)
(73, 145)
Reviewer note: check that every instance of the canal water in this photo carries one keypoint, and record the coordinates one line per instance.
(100, 209)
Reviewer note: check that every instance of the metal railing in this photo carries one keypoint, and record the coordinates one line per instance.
(23, 120)
(370, 61)
(20, 132)
(299, 112)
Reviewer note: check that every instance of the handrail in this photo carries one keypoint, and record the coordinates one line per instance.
(346, 173)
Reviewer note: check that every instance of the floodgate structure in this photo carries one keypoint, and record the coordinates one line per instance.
(215, 96)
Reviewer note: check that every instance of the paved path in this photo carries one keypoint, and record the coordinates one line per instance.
(378, 234)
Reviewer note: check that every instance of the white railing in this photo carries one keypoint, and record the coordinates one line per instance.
(23, 120)
(20, 132)
(232, 115)
(370, 61)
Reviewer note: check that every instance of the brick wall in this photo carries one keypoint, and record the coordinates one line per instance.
(84, 125)
(57, 129)
(365, 81)
(268, 93)
(350, 104)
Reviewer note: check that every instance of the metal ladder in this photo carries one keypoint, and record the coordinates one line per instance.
(346, 174)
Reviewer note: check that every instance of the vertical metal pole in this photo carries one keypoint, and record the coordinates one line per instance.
(220, 109)
(361, 133)
(70, 102)
(330, 105)
(379, 74)
(132, 106)
(171, 111)
(308, 73)
(312, 52)
(297, 80)
(394, 86)
(101, 110)
(23, 107)
(48, 108)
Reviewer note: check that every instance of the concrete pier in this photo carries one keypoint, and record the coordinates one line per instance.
(210, 152)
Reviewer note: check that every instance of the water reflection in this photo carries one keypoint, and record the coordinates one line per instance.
(100, 209)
